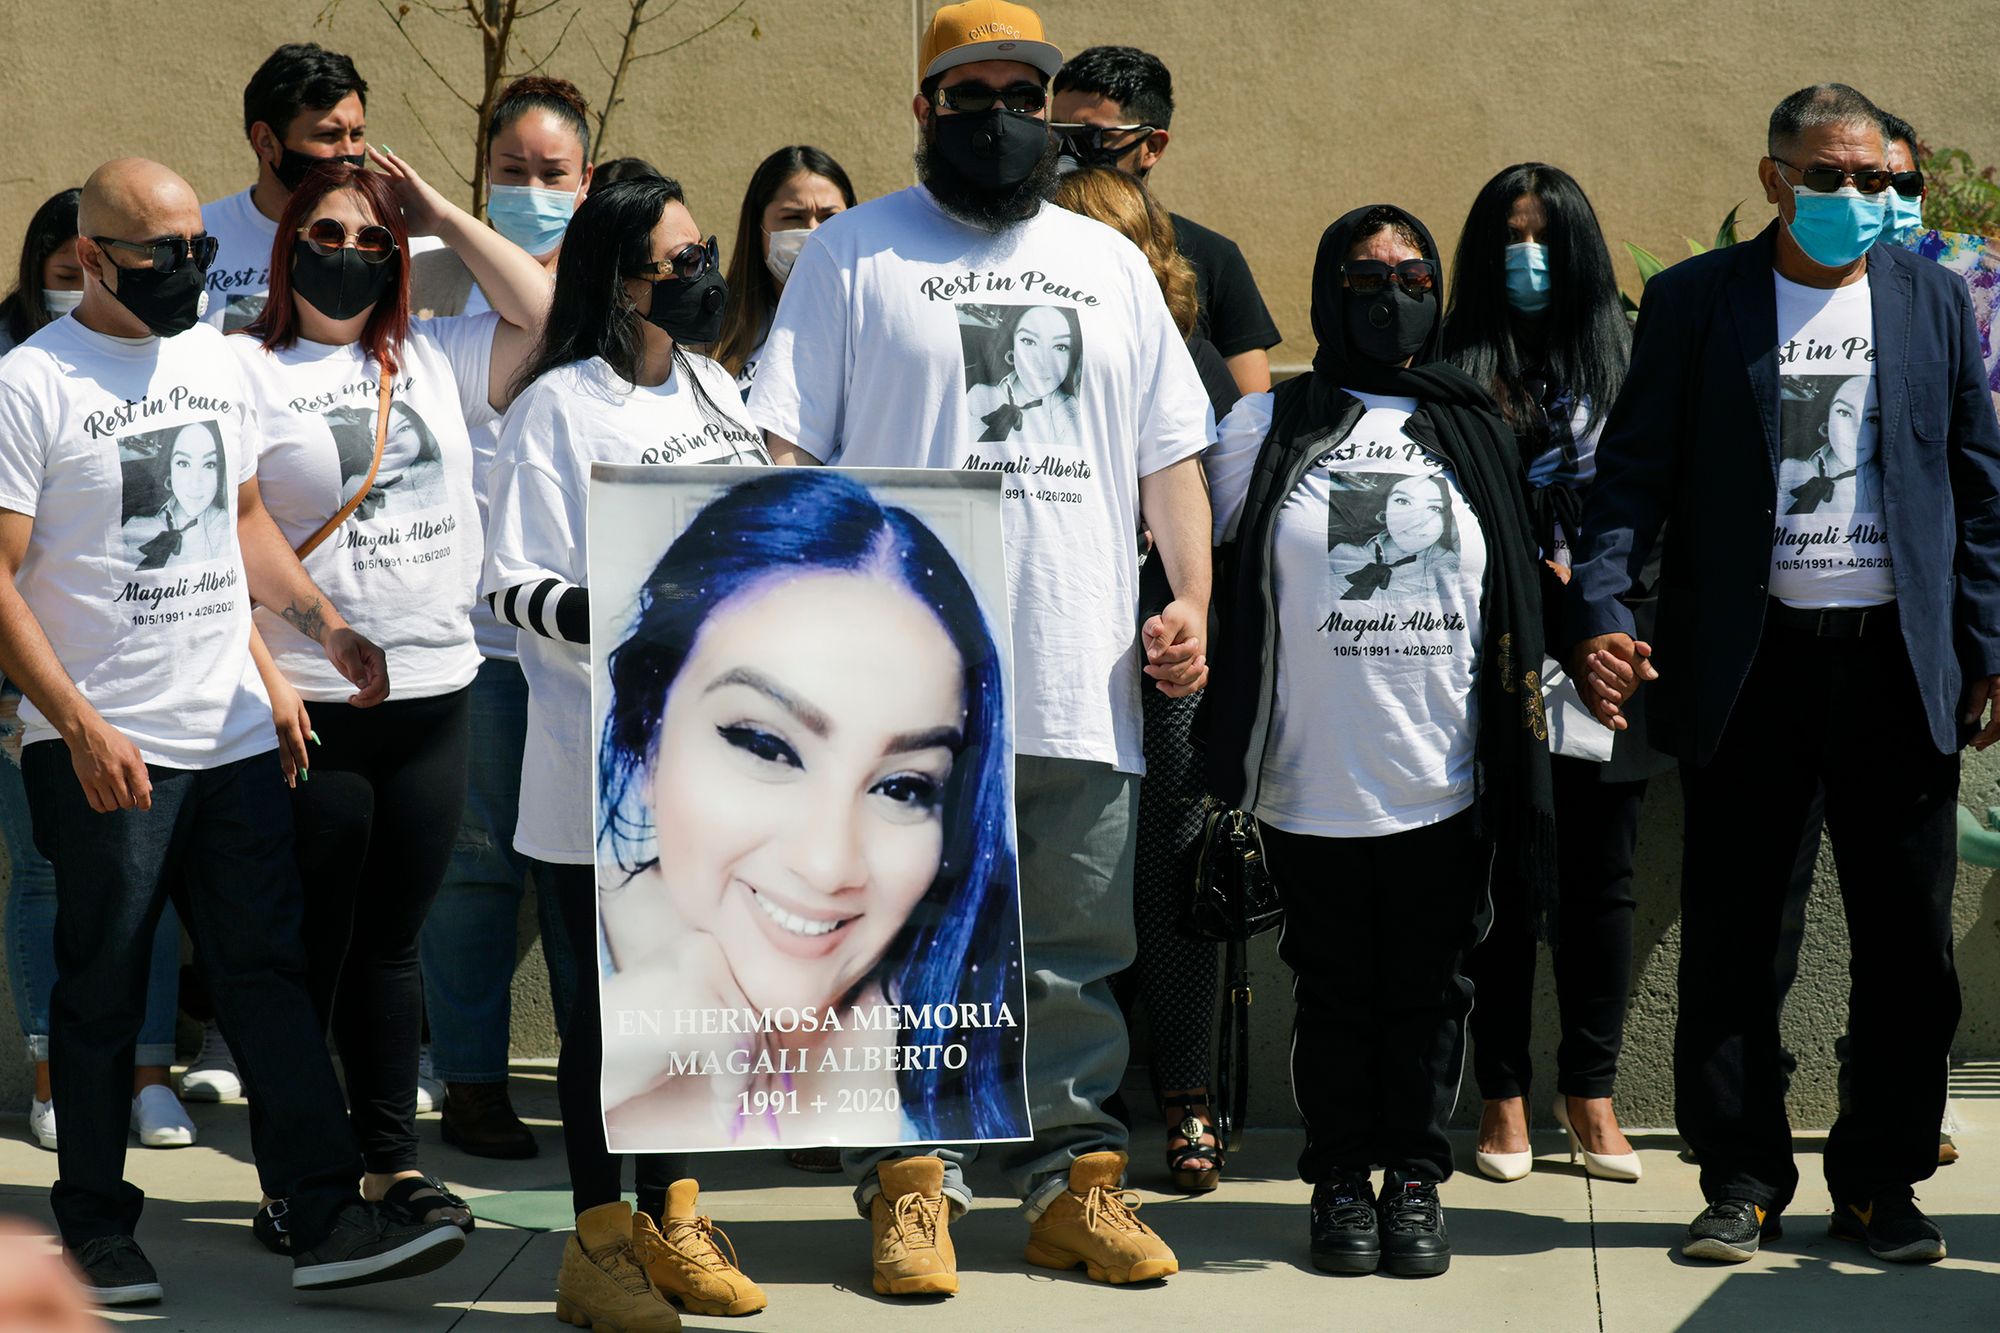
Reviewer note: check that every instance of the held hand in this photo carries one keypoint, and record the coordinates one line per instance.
(362, 663)
(1174, 655)
(294, 726)
(110, 768)
(1560, 571)
(423, 207)
(1608, 670)
(1978, 695)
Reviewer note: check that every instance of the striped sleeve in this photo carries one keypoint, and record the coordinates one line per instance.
(550, 607)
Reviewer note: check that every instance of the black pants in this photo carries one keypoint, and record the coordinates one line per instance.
(1375, 932)
(220, 840)
(1845, 715)
(1597, 829)
(377, 818)
(1173, 975)
(594, 1171)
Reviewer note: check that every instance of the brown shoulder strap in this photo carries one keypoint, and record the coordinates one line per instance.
(332, 525)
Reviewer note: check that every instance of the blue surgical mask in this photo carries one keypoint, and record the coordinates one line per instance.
(1528, 282)
(1836, 229)
(1906, 219)
(530, 216)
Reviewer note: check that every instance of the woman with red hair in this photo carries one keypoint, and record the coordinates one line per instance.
(384, 482)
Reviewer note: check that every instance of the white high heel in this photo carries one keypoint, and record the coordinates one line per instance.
(1605, 1166)
(1504, 1165)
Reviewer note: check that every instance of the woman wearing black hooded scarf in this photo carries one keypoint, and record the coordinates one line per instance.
(1375, 702)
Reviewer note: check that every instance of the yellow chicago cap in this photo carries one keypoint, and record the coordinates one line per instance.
(987, 30)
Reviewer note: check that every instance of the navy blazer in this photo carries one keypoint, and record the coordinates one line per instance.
(1692, 443)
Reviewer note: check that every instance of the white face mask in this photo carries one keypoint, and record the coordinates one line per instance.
(59, 303)
(784, 251)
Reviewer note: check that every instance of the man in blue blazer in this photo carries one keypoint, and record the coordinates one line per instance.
(1805, 417)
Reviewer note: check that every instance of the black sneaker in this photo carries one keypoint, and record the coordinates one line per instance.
(1892, 1228)
(1728, 1230)
(115, 1272)
(1414, 1243)
(1344, 1235)
(367, 1244)
(272, 1226)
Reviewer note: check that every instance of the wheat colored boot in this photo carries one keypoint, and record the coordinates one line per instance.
(602, 1285)
(1093, 1223)
(681, 1258)
(910, 1223)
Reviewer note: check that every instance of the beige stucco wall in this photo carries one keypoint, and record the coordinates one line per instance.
(1290, 113)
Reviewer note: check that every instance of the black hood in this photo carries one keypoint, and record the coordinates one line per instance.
(1341, 366)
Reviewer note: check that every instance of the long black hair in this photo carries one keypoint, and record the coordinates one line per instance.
(957, 945)
(609, 240)
(753, 292)
(1583, 339)
(52, 226)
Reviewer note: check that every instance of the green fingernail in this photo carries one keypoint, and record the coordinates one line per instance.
(315, 737)
(304, 776)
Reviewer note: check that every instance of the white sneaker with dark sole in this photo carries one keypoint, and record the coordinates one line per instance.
(42, 1122)
(366, 1245)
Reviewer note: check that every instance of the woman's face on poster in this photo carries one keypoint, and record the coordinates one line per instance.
(1414, 515)
(798, 784)
(192, 466)
(1043, 351)
(1852, 423)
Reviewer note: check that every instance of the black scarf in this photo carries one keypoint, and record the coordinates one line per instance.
(1457, 421)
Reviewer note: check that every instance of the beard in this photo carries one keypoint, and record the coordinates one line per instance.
(987, 209)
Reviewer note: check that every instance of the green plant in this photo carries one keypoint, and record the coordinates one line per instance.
(1958, 196)
(1649, 263)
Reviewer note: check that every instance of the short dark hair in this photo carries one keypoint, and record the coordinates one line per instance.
(1810, 108)
(1136, 80)
(296, 77)
(1897, 130)
(1382, 218)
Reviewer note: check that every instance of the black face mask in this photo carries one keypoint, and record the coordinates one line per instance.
(995, 150)
(293, 165)
(690, 312)
(1391, 326)
(339, 286)
(166, 303)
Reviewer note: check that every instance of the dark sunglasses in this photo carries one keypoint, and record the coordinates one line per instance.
(1366, 277)
(167, 254)
(1909, 184)
(328, 236)
(1825, 180)
(1090, 138)
(969, 99)
(693, 261)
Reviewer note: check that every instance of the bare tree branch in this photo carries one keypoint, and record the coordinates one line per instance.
(613, 97)
(479, 18)
(596, 55)
(437, 73)
(424, 125)
(672, 5)
(530, 13)
(567, 24)
(693, 36)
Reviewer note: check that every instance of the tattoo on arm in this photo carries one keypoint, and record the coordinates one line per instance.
(307, 620)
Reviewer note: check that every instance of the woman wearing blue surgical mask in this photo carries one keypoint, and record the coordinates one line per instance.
(1535, 317)
(791, 195)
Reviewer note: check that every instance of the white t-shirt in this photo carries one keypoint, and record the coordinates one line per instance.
(241, 274)
(127, 453)
(1830, 543)
(1377, 567)
(404, 568)
(907, 338)
(569, 418)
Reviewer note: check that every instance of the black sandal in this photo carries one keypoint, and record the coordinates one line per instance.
(1201, 1145)
(422, 1200)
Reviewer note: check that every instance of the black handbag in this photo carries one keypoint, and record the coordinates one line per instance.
(1234, 899)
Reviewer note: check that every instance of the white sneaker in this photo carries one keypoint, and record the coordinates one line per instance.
(42, 1121)
(159, 1120)
(211, 1076)
(430, 1089)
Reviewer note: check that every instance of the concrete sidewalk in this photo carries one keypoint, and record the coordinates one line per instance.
(1553, 1252)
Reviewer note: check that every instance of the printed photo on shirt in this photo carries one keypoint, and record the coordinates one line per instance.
(241, 309)
(808, 907)
(176, 496)
(1022, 367)
(1390, 536)
(1829, 445)
(411, 478)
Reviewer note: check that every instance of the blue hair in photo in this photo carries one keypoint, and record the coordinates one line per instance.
(960, 944)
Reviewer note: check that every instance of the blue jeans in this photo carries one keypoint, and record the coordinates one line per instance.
(31, 922)
(1077, 826)
(467, 944)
